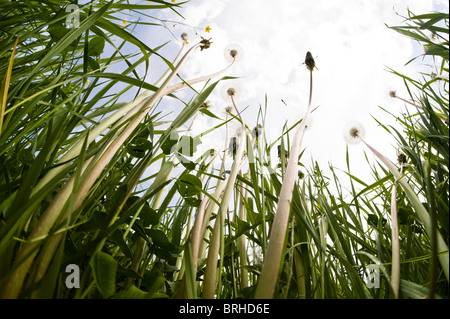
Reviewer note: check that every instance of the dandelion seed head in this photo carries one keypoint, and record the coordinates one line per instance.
(309, 61)
(231, 89)
(233, 53)
(286, 152)
(205, 44)
(205, 105)
(402, 159)
(354, 132)
(188, 34)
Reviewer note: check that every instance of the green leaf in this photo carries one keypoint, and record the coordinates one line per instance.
(209, 113)
(96, 46)
(191, 284)
(189, 185)
(189, 165)
(158, 237)
(138, 147)
(57, 31)
(149, 216)
(104, 268)
(437, 50)
(167, 145)
(242, 227)
(117, 238)
(93, 64)
(190, 110)
(413, 290)
(193, 201)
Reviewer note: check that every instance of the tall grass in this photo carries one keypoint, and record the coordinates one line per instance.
(96, 178)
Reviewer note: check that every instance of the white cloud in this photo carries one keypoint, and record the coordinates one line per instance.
(352, 47)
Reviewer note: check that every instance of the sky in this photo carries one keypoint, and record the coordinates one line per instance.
(353, 50)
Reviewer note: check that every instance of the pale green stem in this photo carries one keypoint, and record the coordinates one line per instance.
(275, 248)
(263, 201)
(300, 275)
(395, 271)
(210, 282)
(323, 229)
(241, 241)
(212, 205)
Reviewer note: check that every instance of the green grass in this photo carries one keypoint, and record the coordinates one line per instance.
(76, 184)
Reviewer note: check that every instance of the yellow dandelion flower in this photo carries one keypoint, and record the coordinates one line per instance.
(124, 21)
(149, 1)
(173, 1)
(87, 81)
(207, 29)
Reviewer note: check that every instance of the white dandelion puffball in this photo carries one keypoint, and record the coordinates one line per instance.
(353, 132)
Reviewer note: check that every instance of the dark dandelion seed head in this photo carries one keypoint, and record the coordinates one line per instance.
(309, 61)
(233, 146)
(233, 53)
(257, 130)
(301, 175)
(205, 43)
(402, 159)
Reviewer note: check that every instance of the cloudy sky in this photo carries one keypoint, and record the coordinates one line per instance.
(352, 48)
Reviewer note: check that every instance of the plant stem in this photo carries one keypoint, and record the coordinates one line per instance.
(275, 248)
(241, 240)
(210, 283)
(395, 271)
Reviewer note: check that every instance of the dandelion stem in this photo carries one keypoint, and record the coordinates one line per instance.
(271, 267)
(419, 107)
(395, 270)
(210, 283)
